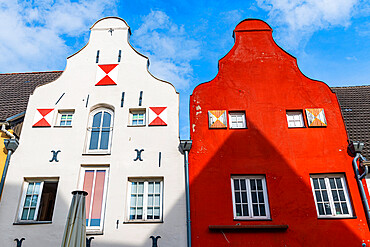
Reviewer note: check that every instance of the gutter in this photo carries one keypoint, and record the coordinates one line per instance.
(185, 146)
(10, 145)
(356, 147)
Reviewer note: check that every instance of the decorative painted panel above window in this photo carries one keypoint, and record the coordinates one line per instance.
(137, 117)
(217, 119)
(43, 117)
(295, 119)
(250, 197)
(316, 117)
(94, 180)
(157, 116)
(237, 120)
(106, 74)
(65, 118)
(100, 131)
(145, 199)
(331, 196)
(38, 200)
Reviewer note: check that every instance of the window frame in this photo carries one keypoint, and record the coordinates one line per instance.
(237, 113)
(249, 197)
(59, 118)
(95, 229)
(145, 200)
(303, 125)
(330, 196)
(25, 184)
(133, 111)
(89, 131)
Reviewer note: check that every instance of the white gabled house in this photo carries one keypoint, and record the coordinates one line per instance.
(106, 126)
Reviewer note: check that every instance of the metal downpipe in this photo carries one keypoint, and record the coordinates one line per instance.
(4, 172)
(188, 221)
(361, 187)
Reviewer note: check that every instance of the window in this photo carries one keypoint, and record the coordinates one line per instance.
(94, 180)
(250, 197)
(237, 120)
(38, 200)
(65, 118)
(145, 201)
(100, 131)
(295, 119)
(137, 117)
(331, 196)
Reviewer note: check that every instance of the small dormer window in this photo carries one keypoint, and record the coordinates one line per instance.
(295, 119)
(137, 117)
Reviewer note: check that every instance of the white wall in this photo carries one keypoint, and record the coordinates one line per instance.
(34, 152)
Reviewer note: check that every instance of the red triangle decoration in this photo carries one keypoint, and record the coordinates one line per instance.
(44, 112)
(157, 116)
(41, 123)
(105, 81)
(106, 74)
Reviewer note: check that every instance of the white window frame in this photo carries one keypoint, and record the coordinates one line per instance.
(59, 118)
(145, 199)
(295, 114)
(326, 178)
(237, 114)
(89, 129)
(24, 194)
(137, 111)
(95, 229)
(249, 198)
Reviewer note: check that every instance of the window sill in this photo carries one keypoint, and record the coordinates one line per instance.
(302, 127)
(129, 125)
(252, 219)
(248, 227)
(94, 232)
(97, 153)
(62, 126)
(143, 222)
(244, 128)
(31, 222)
(337, 218)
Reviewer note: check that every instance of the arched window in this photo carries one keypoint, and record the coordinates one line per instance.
(100, 131)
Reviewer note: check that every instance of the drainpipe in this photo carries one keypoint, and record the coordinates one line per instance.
(356, 147)
(11, 145)
(185, 146)
(7, 132)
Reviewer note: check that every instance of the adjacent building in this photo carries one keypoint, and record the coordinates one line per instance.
(106, 126)
(269, 164)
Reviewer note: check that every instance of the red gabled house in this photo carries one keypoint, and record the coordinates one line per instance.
(269, 165)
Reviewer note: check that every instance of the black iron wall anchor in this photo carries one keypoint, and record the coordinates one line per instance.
(55, 156)
(88, 241)
(155, 241)
(19, 242)
(138, 153)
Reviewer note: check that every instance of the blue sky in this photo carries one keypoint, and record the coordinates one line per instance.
(185, 39)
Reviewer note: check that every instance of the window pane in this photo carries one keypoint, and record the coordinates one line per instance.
(156, 211)
(24, 214)
(327, 208)
(236, 184)
(157, 187)
(260, 197)
(262, 210)
(254, 197)
(325, 196)
(242, 184)
(133, 187)
(238, 210)
(335, 195)
(253, 184)
(244, 197)
(106, 119)
(27, 202)
(337, 208)
(315, 183)
(30, 188)
(245, 210)
(104, 139)
(237, 197)
(255, 210)
(345, 208)
(341, 195)
(332, 183)
(150, 187)
(31, 215)
(321, 209)
(94, 139)
(140, 188)
(34, 201)
(133, 200)
(132, 213)
(259, 184)
(97, 120)
(150, 200)
(322, 183)
(339, 183)
(318, 196)
(150, 213)
(140, 200)
(139, 213)
(156, 200)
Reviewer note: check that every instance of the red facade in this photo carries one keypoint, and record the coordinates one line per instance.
(260, 80)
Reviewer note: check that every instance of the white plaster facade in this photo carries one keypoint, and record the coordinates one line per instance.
(77, 83)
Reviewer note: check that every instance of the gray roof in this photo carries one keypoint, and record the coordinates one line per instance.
(355, 105)
(16, 88)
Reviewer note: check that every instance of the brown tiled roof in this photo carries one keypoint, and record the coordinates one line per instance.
(355, 104)
(16, 88)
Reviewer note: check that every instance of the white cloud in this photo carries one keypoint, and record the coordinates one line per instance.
(301, 18)
(169, 48)
(33, 33)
